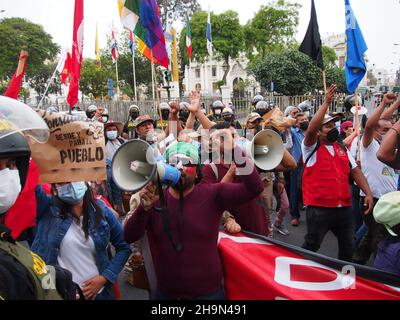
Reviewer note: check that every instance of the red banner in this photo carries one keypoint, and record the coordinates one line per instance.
(258, 269)
(77, 50)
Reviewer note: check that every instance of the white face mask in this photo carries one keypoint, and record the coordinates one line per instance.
(112, 135)
(218, 111)
(10, 187)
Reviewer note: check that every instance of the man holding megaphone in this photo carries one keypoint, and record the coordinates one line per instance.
(185, 234)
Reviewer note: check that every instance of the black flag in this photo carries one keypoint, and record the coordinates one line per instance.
(312, 45)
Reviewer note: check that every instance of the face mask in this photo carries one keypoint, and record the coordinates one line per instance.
(134, 115)
(261, 112)
(217, 111)
(304, 126)
(112, 135)
(165, 115)
(10, 187)
(333, 135)
(184, 114)
(104, 119)
(72, 193)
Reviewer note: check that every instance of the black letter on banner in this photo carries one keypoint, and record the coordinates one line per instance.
(99, 154)
(63, 156)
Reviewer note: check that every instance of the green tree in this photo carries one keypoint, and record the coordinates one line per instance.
(227, 33)
(176, 10)
(274, 26)
(93, 82)
(292, 72)
(329, 56)
(16, 33)
(336, 75)
(41, 78)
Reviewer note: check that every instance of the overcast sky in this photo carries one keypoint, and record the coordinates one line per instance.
(378, 20)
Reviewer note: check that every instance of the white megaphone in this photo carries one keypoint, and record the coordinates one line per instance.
(266, 149)
(136, 163)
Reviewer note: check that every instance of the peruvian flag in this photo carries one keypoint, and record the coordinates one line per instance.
(66, 70)
(257, 268)
(114, 51)
(188, 38)
(16, 81)
(77, 50)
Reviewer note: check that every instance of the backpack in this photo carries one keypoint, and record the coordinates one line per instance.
(43, 280)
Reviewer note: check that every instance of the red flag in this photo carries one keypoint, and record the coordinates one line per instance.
(22, 214)
(260, 269)
(77, 50)
(66, 71)
(16, 81)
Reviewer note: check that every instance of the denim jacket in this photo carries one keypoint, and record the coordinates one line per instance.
(51, 228)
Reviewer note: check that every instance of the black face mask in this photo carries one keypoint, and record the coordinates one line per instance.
(184, 114)
(134, 115)
(258, 128)
(165, 115)
(261, 112)
(304, 126)
(333, 135)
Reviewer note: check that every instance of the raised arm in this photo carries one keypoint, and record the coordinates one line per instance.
(387, 151)
(316, 121)
(174, 125)
(374, 119)
(194, 107)
(388, 113)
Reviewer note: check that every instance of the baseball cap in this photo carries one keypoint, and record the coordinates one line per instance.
(345, 125)
(142, 119)
(387, 211)
(253, 117)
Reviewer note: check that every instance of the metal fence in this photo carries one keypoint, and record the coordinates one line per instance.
(118, 110)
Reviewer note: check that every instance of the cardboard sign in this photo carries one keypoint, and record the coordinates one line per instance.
(75, 150)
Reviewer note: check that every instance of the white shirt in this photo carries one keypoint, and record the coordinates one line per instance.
(77, 254)
(306, 151)
(381, 178)
(111, 148)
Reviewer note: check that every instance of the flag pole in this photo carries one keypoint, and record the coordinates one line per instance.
(47, 87)
(134, 75)
(153, 74)
(356, 103)
(116, 71)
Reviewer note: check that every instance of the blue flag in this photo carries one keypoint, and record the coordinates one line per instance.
(356, 47)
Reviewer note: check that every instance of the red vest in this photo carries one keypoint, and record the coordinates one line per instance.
(326, 184)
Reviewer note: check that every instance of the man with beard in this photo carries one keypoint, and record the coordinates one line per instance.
(130, 125)
(326, 186)
(185, 235)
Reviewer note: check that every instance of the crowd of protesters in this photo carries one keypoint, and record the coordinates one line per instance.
(334, 175)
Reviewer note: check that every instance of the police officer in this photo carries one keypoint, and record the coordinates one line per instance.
(129, 131)
(23, 274)
(257, 99)
(165, 110)
(91, 111)
(216, 109)
(228, 116)
(262, 108)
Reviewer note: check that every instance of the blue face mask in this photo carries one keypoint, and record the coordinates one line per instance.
(112, 135)
(72, 193)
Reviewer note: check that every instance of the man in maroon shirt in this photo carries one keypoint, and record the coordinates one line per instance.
(186, 259)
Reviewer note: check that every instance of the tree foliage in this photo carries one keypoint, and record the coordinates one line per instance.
(176, 10)
(227, 35)
(16, 33)
(292, 72)
(273, 26)
(39, 81)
